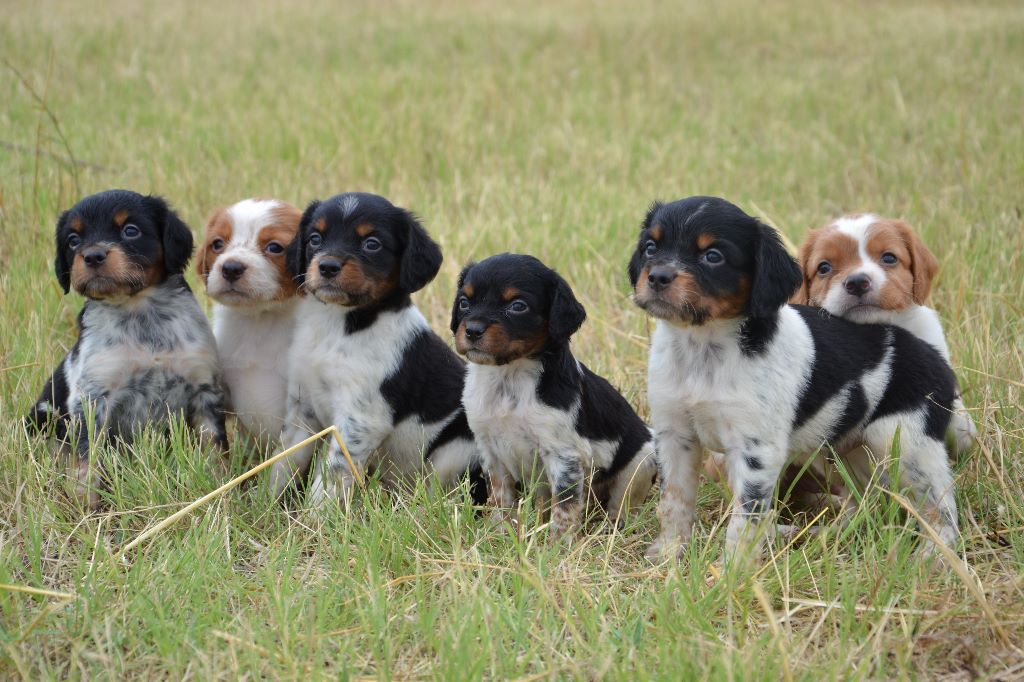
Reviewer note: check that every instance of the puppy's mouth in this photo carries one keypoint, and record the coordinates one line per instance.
(657, 307)
(103, 287)
(480, 357)
(332, 292)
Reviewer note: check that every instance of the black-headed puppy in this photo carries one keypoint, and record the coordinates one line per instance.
(734, 369)
(529, 400)
(145, 350)
(364, 359)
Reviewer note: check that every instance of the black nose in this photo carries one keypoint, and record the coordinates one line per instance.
(857, 285)
(660, 277)
(329, 267)
(94, 257)
(232, 270)
(475, 330)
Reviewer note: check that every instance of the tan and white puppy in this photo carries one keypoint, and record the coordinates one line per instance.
(244, 267)
(867, 268)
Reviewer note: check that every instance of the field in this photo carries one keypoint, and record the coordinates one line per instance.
(544, 128)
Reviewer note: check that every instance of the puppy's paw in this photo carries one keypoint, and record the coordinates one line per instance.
(665, 549)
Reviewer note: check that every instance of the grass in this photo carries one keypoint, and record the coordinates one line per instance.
(541, 128)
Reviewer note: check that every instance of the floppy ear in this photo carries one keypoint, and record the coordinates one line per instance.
(803, 294)
(61, 265)
(567, 314)
(175, 236)
(295, 256)
(203, 263)
(923, 263)
(776, 274)
(454, 324)
(422, 256)
(638, 253)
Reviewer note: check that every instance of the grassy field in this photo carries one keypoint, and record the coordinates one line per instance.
(542, 128)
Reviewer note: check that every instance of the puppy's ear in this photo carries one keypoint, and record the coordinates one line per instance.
(422, 256)
(803, 294)
(175, 236)
(61, 264)
(454, 324)
(638, 254)
(923, 263)
(203, 262)
(567, 314)
(296, 252)
(776, 274)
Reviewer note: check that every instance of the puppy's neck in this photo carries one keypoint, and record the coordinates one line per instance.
(751, 334)
(920, 320)
(357, 319)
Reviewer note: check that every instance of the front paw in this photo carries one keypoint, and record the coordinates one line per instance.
(330, 489)
(87, 485)
(665, 549)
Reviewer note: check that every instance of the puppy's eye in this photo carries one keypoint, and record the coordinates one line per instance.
(74, 241)
(824, 267)
(650, 247)
(890, 258)
(712, 257)
(371, 245)
(315, 240)
(274, 248)
(463, 304)
(518, 306)
(130, 231)
(217, 245)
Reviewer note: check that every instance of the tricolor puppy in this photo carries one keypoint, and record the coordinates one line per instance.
(244, 266)
(144, 350)
(363, 357)
(735, 369)
(871, 269)
(529, 400)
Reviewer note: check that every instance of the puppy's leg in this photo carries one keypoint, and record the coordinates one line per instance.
(334, 481)
(206, 417)
(85, 473)
(503, 496)
(924, 468)
(678, 454)
(962, 428)
(565, 476)
(754, 466)
(300, 424)
(631, 485)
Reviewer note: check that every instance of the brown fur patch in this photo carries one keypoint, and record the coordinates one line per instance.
(75, 224)
(705, 240)
(468, 290)
(656, 232)
(910, 280)
(219, 226)
(355, 286)
(827, 244)
(120, 217)
(364, 230)
(510, 294)
(497, 343)
(117, 276)
(689, 300)
(283, 230)
(321, 225)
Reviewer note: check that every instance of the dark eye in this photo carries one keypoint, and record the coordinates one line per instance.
(315, 239)
(890, 258)
(274, 248)
(463, 304)
(217, 244)
(712, 257)
(650, 247)
(518, 306)
(824, 267)
(74, 241)
(371, 245)
(130, 231)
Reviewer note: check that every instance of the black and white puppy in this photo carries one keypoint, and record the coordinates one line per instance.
(145, 351)
(364, 359)
(734, 369)
(528, 398)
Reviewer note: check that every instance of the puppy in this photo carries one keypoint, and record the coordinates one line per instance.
(734, 369)
(871, 269)
(244, 266)
(145, 351)
(525, 393)
(363, 357)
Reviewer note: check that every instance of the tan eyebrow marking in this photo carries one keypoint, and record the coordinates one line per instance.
(120, 217)
(704, 240)
(509, 294)
(467, 289)
(364, 230)
(76, 224)
(321, 224)
(657, 232)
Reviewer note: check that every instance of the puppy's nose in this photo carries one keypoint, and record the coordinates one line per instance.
(94, 257)
(329, 267)
(232, 270)
(857, 285)
(660, 277)
(475, 330)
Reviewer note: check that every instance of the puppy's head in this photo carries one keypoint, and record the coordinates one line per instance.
(863, 265)
(117, 243)
(243, 260)
(702, 258)
(356, 249)
(509, 307)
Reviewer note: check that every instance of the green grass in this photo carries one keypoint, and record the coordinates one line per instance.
(542, 128)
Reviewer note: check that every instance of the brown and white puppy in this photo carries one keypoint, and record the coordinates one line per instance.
(244, 266)
(867, 268)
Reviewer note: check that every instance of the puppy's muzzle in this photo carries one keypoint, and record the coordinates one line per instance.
(857, 284)
(475, 330)
(95, 256)
(232, 270)
(329, 267)
(660, 277)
